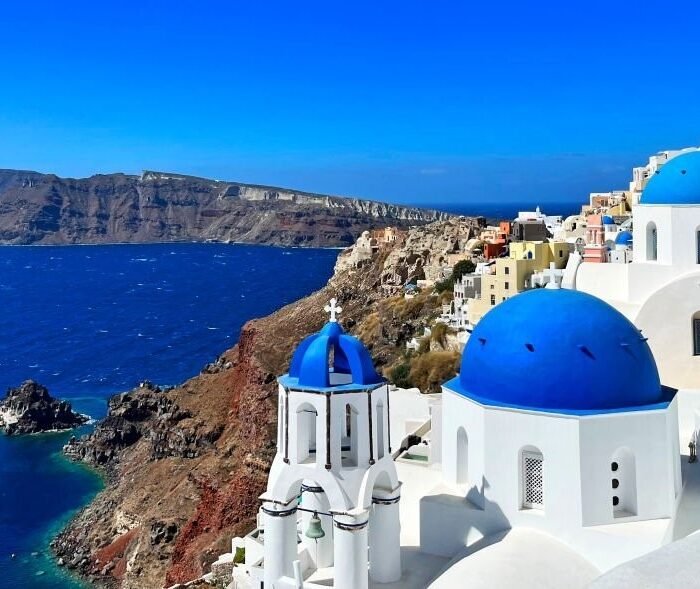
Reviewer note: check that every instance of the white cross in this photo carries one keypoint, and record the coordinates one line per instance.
(333, 309)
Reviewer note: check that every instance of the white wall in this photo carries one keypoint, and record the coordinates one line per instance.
(577, 453)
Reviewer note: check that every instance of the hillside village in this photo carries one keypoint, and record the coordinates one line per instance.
(447, 437)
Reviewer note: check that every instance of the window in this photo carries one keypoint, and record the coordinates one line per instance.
(651, 242)
(507, 269)
(696, 334)
(462, 456)
(561, 253)
(697, 246)
(532, 476)
(507, 285)
(623, 483)
(493, 300)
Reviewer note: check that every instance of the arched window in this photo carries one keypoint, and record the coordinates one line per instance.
(696, 334)
(462, 458)
(306, 434)
(623, 483)
(349, 451)
(532, 478)
(380, 430)
(652, 245)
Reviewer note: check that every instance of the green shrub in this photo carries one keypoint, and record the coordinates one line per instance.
(400, 375)
(430, 370)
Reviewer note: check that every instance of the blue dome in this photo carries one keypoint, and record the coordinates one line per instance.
(675, 183)
(560, 351)
(313, 366)
(608, 220)
(624, 238)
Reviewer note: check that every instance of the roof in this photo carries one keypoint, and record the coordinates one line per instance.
(331, 360)
(608, 220)
(675, 183)
(518, 559)
(673, 565)
(560, 351)
(624, 238)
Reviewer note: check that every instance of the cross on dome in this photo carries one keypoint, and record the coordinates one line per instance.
(333, 309)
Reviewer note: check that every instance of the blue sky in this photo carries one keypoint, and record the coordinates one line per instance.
(411, 101)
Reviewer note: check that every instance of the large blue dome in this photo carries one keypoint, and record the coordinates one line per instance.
(559, 351)
(331, 359)
(675, 183)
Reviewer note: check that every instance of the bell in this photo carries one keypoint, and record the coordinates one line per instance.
(315, 531)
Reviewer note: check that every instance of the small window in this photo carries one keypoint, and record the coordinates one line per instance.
(561, 253)
(696, 335)
(507, 269)
(697, 245)
(507, 285)
(532, 480)
(493, 300)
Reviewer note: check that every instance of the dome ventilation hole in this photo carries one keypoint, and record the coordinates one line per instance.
(530, 347)
(587, 352)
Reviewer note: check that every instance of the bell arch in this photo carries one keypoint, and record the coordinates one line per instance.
(306, 433)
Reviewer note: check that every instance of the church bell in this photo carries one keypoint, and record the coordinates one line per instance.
(315, 531)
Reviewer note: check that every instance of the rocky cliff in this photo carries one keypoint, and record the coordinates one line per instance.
(154, 207)
(30, 409)
(186, 465)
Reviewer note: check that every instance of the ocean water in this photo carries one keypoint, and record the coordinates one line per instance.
(507, 210)
(92, 321)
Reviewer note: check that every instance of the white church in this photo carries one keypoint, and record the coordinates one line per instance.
(557, 458)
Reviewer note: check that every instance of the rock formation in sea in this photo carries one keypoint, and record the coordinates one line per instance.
(30, 409)
(185, 466)
(160, 207)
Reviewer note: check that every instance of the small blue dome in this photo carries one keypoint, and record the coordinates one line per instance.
(675, 183)
(558, 351)
(329, 359)
(624, 238)
(608, 220)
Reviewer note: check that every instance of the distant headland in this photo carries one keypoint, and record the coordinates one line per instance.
(45, 209)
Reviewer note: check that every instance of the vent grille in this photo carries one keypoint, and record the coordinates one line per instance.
(533, 488)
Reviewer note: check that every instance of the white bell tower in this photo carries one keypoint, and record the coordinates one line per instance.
(333, 464)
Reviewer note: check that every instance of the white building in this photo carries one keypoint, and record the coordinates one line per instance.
(642, 174)
(333, 481)
(660, 290)
(559, 426)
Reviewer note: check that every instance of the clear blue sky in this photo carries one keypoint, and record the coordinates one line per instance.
(406, 101)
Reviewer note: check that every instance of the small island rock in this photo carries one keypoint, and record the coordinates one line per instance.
(30, 408)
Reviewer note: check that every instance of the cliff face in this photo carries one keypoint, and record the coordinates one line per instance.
(186, 465)
(46, 209)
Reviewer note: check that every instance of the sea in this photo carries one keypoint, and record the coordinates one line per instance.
(92, 321)
(496, 211)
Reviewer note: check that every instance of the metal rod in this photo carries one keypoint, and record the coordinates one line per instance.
(328, 431)
(286, 425)
(388, 418)
(371, 433)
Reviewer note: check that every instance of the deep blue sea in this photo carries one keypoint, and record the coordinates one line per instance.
(507, 210)
(92, 321)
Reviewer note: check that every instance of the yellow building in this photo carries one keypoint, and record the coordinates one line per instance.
(511, 275)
